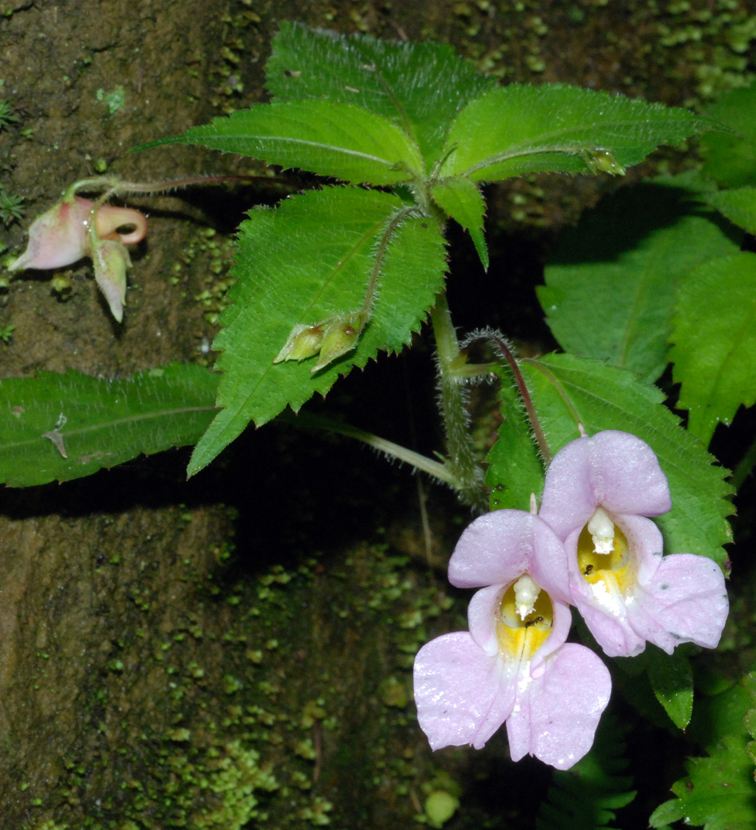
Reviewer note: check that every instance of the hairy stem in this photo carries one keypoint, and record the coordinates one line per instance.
(453, 399)
(543, 444)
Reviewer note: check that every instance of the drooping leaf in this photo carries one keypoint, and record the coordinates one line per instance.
(672, 681)
(586, 796)
(418, 86)
(558, 128)
(61, 427)
(514, 468)
(461, 199)
(714, 341)
(568, 390)
(299, 264)
(321, 136)
(731, 158)
(611, 282)
(719, 792)
(738, 205)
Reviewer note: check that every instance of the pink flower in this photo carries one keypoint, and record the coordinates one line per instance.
(514, 664)
(597, 496)
(63, 235)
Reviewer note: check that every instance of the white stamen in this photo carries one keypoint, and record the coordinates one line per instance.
(601, 528)
(526, 593)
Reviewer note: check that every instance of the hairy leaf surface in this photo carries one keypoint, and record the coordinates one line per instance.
(731, 158)
(714, 351)
(461, 199)
(611, 282)
(68, 426)
(558, 128)
(299, 264)
(719, 792)
(568, 390)
(418, 86)
(321, 136)
(738, 205)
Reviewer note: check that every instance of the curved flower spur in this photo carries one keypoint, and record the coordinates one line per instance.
(598, 494)
(514, 664)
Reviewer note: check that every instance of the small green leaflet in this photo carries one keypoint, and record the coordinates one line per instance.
(731, 158)
(61, 427)
(714, 339)
(558, 128)
(298, 264)
(611, 281)
(567, 390)
(461, 199)
(586, 796)
(719, 791)
(738, 205)
(418, 86)
(515, 469)
(323, 137)
(671, 679)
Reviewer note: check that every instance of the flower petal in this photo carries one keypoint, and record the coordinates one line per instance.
(498, 548)
(613, 469)
(556, 715)
(685, 603)
(58, 237)
(463, 696)
(481, 617)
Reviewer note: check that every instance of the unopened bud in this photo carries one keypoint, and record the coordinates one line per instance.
(111, 259)
(340, 337)
(303, 342)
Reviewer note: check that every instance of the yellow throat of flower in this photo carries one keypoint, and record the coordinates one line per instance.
(604, 554)
(522, 629)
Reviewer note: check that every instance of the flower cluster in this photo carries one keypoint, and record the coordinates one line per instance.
(75, 228)
(593, 546)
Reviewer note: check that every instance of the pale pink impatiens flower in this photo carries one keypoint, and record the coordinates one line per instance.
(65, 234)
(597, 496)
(514, 664)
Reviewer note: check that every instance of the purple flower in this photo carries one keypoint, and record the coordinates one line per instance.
(514, 664)
(597, 496)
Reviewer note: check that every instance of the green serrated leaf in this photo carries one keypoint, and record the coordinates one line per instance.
(521, 129)
(281, 284)
(738, 205)
(61, 427)
(321, 136)
(418, 86)
(719, 792)
(672, 681)
(612, 280)
(515, 469)
(567, 390)
(714, 342)
(731, 159)
(461, 199)
(586, 796)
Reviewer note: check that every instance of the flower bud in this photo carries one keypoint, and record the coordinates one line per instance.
(303, 342)
(111, 259)
(340, 337)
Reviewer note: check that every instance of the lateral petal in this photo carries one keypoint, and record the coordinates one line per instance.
(463, 696)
